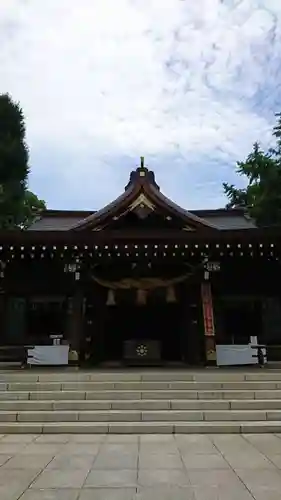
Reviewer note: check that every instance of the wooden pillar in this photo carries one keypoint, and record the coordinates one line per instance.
(75, 326)
(2, 314)
(94, 318)
(99, 346)
(208, 318)
(191, 335)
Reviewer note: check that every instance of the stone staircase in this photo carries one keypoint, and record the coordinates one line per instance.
(140, 401)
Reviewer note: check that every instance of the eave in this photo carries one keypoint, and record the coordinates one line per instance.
(18, 238)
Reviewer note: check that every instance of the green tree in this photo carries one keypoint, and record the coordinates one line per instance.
(16, 202)
(262, 195)
(32, 206)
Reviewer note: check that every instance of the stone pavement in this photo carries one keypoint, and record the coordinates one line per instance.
(146, 467)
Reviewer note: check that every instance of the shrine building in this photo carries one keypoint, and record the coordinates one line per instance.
(142, 280)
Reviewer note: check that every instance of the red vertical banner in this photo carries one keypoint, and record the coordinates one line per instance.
(208, 314)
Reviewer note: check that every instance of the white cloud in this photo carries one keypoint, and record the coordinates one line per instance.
(178, 81)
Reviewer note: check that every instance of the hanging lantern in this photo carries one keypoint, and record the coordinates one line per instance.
(110, 298)
(141, 297)
(171, 295)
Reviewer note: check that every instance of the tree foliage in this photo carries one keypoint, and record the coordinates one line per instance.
(262, 195)
(17, 205)
(32, 206)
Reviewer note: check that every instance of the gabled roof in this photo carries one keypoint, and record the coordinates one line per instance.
(63, 220)
(143, 197)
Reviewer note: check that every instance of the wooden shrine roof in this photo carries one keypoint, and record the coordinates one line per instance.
(125, 221)
(63, 220)
(142, 196)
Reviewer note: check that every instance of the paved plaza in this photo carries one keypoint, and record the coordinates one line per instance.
(146, 467)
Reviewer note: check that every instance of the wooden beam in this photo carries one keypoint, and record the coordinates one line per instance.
(265, 235)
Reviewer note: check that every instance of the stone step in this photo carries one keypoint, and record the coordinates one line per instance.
(140, 401)
(140, 386)
(141, 404)
(127, 375)
(140, 427)
(138, 416)
(136, 395)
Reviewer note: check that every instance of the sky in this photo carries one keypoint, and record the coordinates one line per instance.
(188, 84)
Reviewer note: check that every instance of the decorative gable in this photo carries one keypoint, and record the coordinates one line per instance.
(143, 206)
